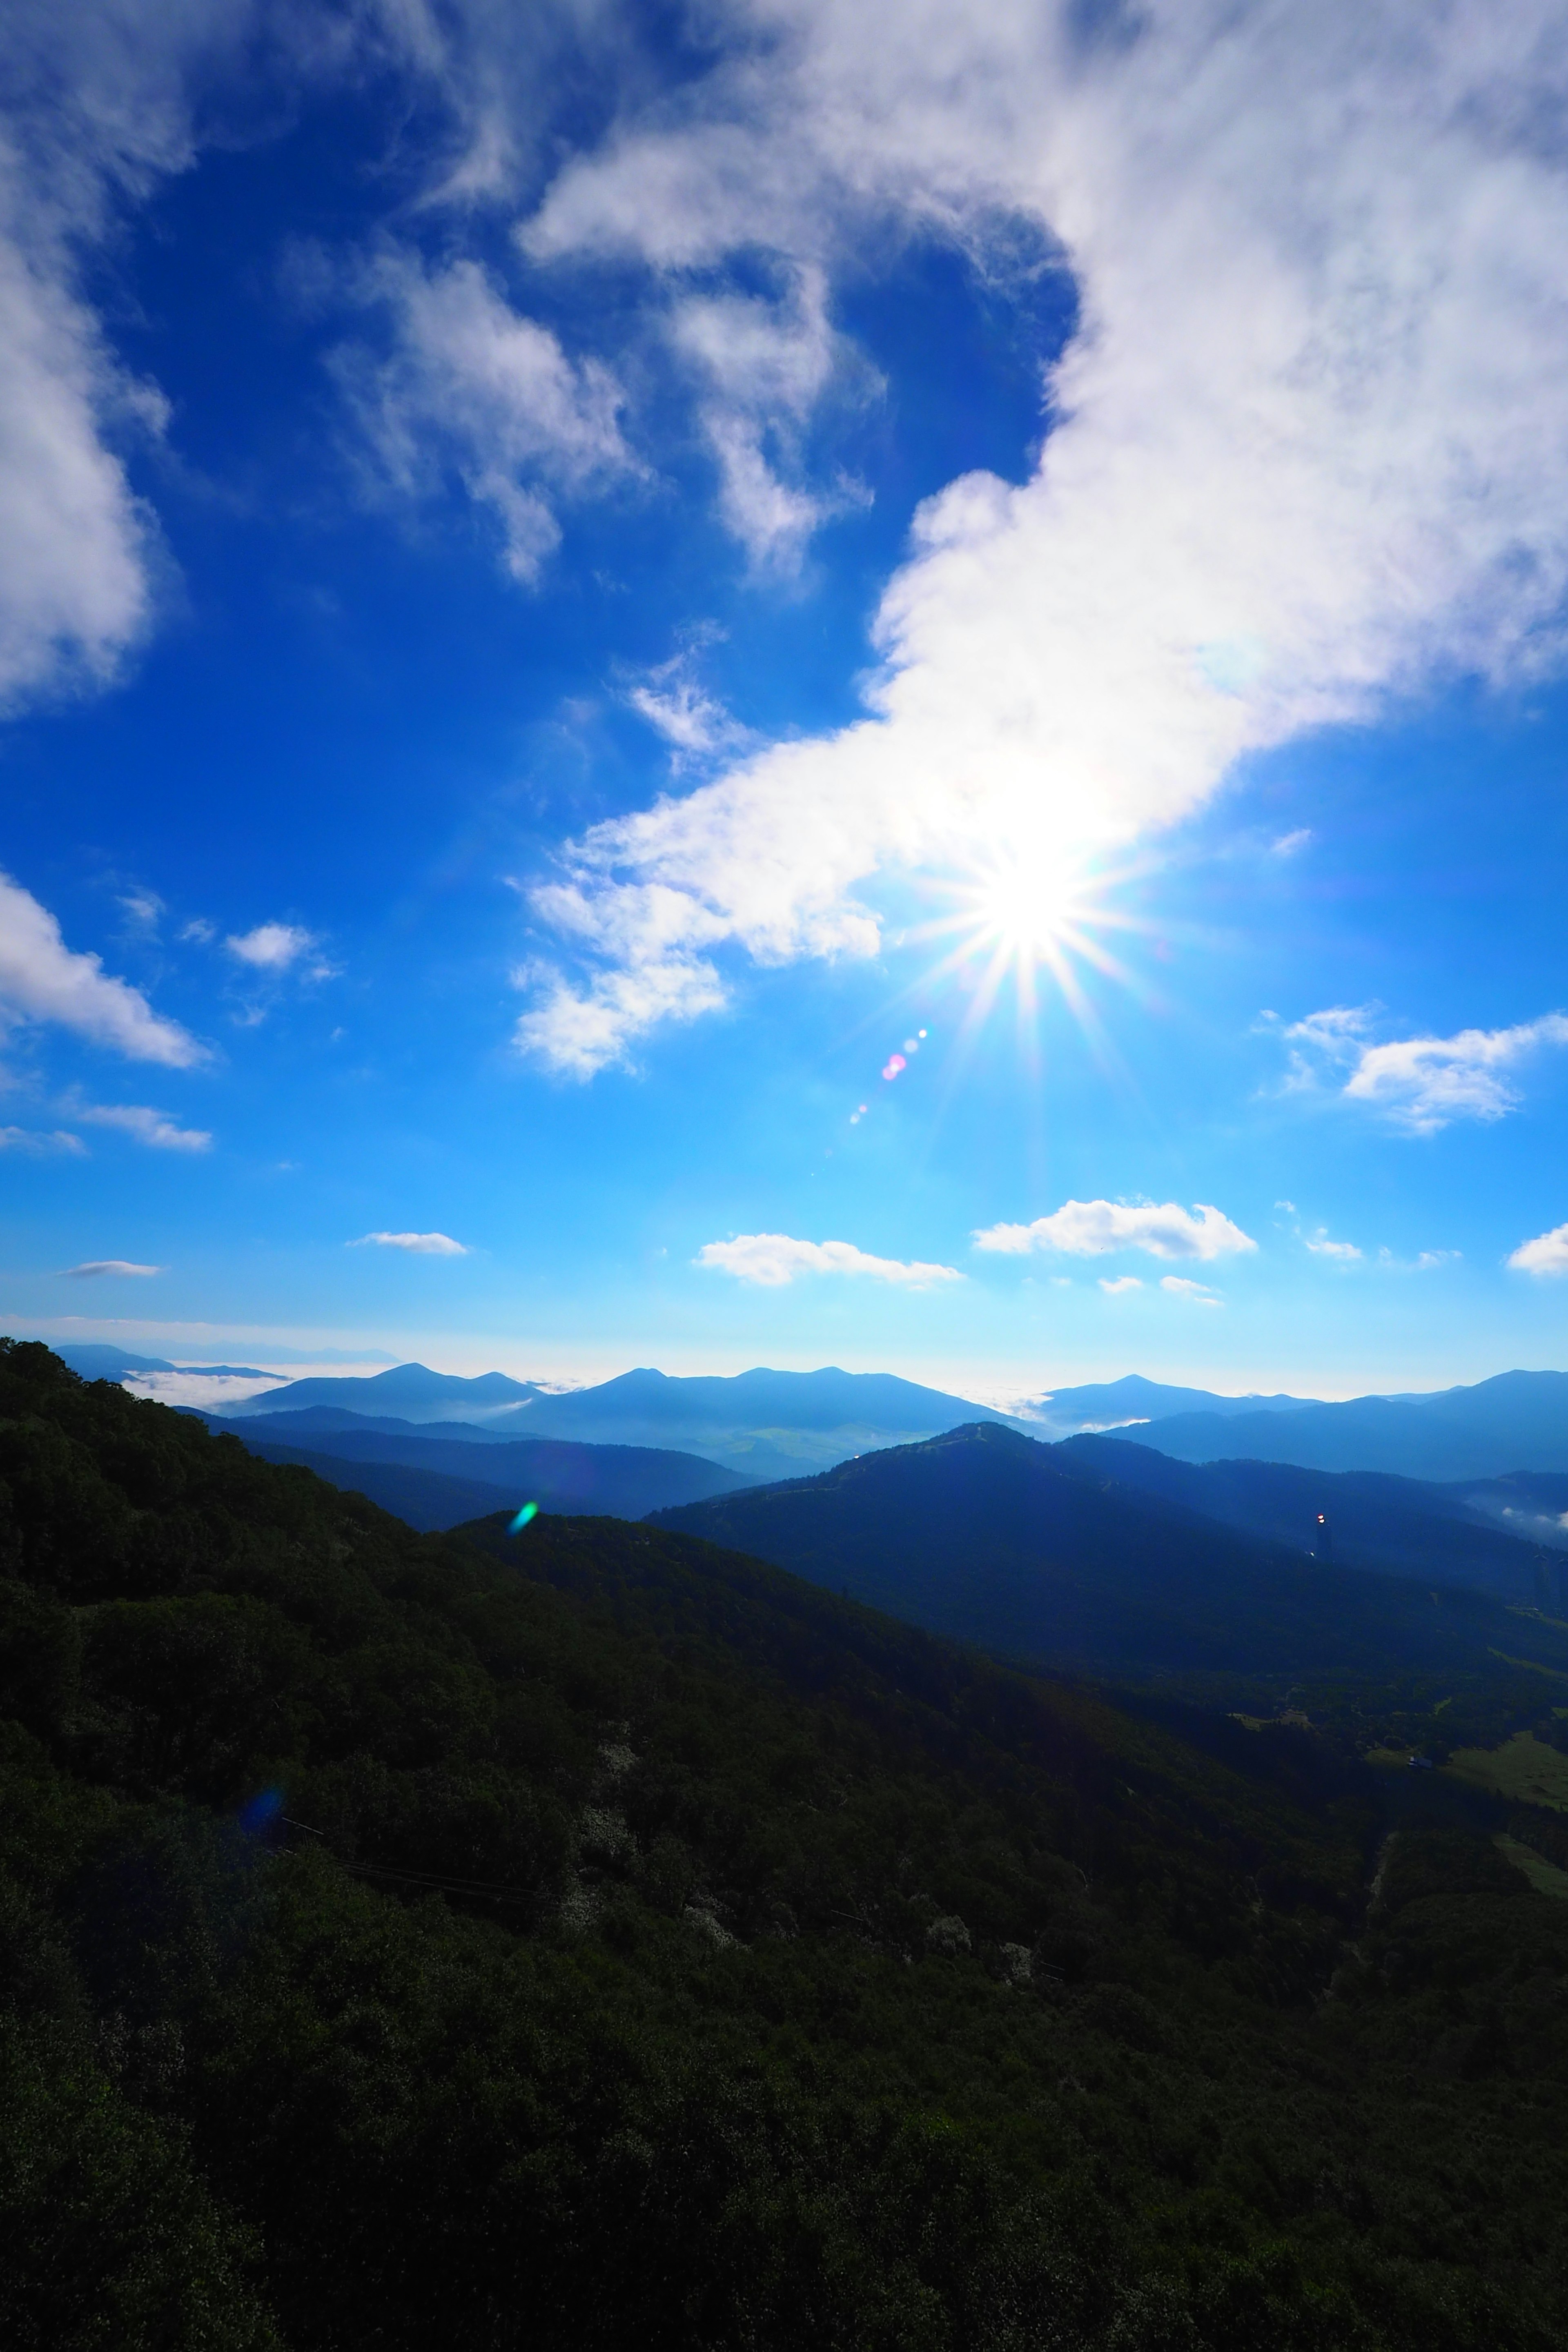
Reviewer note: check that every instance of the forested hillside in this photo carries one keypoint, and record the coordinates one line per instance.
(597, 1939)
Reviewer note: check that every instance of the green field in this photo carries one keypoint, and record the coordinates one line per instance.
(1544, 1876)
(1523, 1769)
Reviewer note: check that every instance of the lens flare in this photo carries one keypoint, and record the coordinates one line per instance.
(529, 1511)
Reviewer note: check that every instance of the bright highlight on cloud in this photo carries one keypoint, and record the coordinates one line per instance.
(1307, 446)
(1095, 1228)
(43, 980)
(1421, 1083)
(420, 1244)
(772, 1260)
(153, 1128)
(1547, 1254)
(96, 1266)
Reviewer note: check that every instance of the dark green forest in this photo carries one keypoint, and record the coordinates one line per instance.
(597, 1937)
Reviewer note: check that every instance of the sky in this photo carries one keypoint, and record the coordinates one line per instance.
(787, 684)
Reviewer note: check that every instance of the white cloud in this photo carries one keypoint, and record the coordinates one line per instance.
(772, 1260)
(421, 1244)
(274, 947)
(37, 1145)
(764, 366)
(1421, 1083)
(1320, 1245)
(119, 1266)
(695, 725)
(1198, 1293)
(75, 587)
(1308, 445)
(1114, 1286)
(1547, 1254)
(153, 1127)
(1290, 842)
(470, 386)
(578, 1031)
(43, 980)
(1094, 1228)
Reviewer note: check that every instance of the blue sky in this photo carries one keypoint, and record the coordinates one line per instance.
(578, 582)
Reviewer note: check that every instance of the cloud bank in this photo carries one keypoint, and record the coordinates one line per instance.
(772, 1260)
(1095, 1228)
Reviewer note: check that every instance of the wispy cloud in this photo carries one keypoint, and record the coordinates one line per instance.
(37, 1145)
(1116, 1286)
(94, 1266)
(772, 1260)
(1095, 1228)
(42, 979)
(764, 366)
(1420, 1084)
(469, 387)
(420, 1244)
(1343, 1252)
(153, 1127)
(1197, 1294)
(693, 723)
(1547, 1254)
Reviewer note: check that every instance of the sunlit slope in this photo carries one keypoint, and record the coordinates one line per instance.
(999, 1540)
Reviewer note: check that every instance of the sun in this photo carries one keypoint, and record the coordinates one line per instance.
(1025, 910)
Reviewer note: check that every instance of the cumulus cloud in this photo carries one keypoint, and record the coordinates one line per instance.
(277, 947)
(1198, 1292)
(43, 980)
(153, 1127)
(1115, 1286)
(471, 387)
(1547, 1254)
(421, 1244)
(772, 1260)
(96, 1266)
(1306, 446)
(1420, 1084)
(1095, 1228)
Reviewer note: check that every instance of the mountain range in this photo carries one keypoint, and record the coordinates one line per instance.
(434, 1483)
(1516, 1421)
(1033, 1552)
